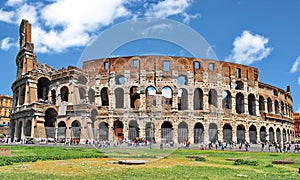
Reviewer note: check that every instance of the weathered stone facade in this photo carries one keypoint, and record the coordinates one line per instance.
(5, 107)
(161, 98)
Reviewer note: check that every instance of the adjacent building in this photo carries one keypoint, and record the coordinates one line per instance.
(297, 124)
(164, 99)
(5, 108)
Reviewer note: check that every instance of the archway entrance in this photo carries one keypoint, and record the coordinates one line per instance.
(61, 131)
(271, 135)
(19, 131)
(50, 120)
(240, 134)
(284, 135)
(213, 132)
(198, 133)
(75, 133)
(278, 135)
(27, 129)
(118, 129)
(227, 133)
(133, 130)
(253, 134)
(103, 134)
(182, 132)
(263, 134)
(167, 132)
(150, 131)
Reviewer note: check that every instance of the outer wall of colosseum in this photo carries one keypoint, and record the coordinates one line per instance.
(160, 98)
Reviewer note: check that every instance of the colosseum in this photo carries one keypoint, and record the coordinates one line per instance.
(159, 98)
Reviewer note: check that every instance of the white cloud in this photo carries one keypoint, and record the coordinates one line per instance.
(249, 48)
(6, 43)
(14, 2)
(298, 111)
(6, 16)
(167, 8)
(299, 81)
(296, 65)
(188, 17)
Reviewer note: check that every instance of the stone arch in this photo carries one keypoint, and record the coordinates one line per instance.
(61, 131)
(150, 96)
(271, 135)
(94, 115)
(82, 95)
(182, 132)
(239, 85)
(269, 104)
(133, 130)
(76, 130)
(167, 132)
(103, 131)
(150, 131)
(135, 97)
(213, 132)
(19, 131)
(284, 135)
(278, 135)
(198, 99)
(198, 133)
(120, 79)
(261, 103)
(167, 94)
(119, 97)
(182, 99)
(182, 80)
(50, 120)
(27, 128)
(240, 133)
(104, 96)
(251, 104)
(282, 108)
(64, 93)
(240, 103)
(276, 104)
(22, 96)
(91, 96)
(213, 98)
(227, 133)
(263, 134)
(226, 100)
(43, 88)
(118, 127)
(253, 134)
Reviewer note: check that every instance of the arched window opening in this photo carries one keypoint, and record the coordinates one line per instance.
(239, 85)
(213, 132)
(82, 80)
(213, 98)
(251, 104)
(284, 135)
(182, 80)
(182, 132)
(82, 95)
(43, 89)
(75, 132)
(276, 107)
(227, 133)
(91, 96)
(150, 96)
(167, 96)
(19, 131)
(150, 132)
(50, 120)
(27, 129)
(198, 133)
(64, 93)
(240, 103)
(261, 103)
(226, 100)
(167, 132)
(134, 130)
(119, 95)
(253, 134)
(269, 104)
(198, 99)
(135, 97)
(282, 108)
(53, 97)
(271, 135)
(278, 135)
(103, 131)
(22, 96)
(61, 132)
(120, 80)
(182, 99)
(240, 134)
(104, 97)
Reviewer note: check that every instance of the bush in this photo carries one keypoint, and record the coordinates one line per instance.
(269, 165)
(245, 162)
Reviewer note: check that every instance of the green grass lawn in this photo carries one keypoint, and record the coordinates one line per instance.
(89, 163)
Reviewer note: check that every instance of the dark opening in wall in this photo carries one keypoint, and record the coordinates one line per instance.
(251, 104)
(134, 97)
(64, 93)
(104, 96)
(198, 99)
(240, 103)
(119, 97)
(43, 89)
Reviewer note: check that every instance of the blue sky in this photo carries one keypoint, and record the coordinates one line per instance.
(263, 34)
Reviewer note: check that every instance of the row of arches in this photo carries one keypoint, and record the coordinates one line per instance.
(274, 106)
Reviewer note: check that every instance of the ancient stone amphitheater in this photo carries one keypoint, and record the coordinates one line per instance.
(158, 98)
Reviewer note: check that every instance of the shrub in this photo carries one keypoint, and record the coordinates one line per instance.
(200, 159)
(269, 165)
(245, 162)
